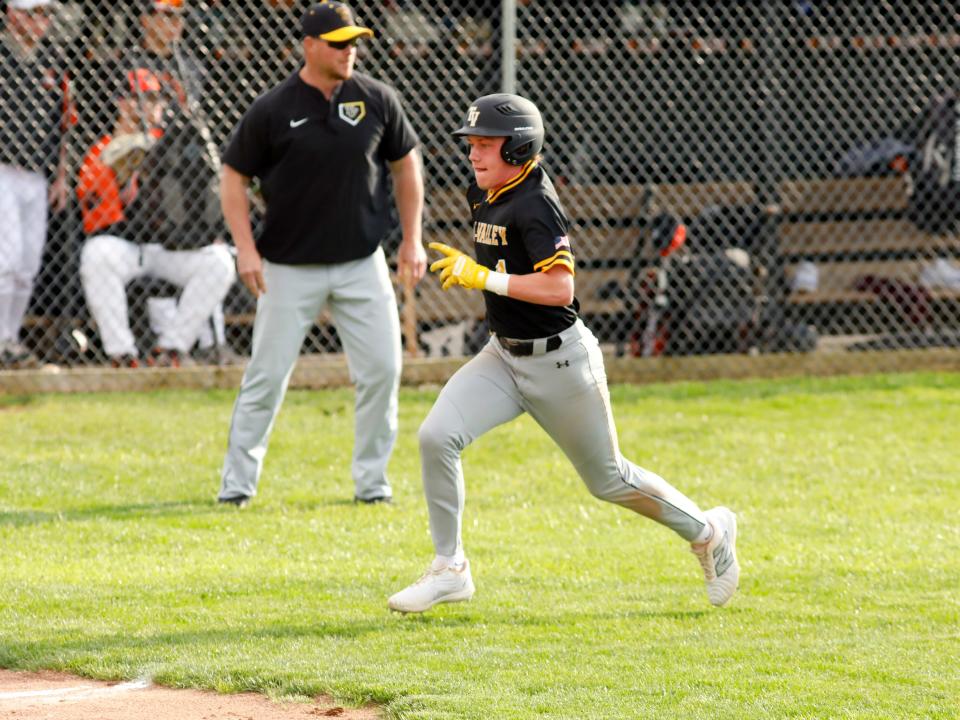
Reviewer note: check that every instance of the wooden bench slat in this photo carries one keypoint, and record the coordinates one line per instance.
(604, 202)
(686, 201)
(581, 203)
(588, 243)
(814, 238)
(588, 284)
(835, 195)
(840, 273)
(821, 297)
(605, 243)
(612, 202)
(436, 305)
(837, 280)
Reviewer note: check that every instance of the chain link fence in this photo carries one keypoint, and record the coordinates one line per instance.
(808, 152)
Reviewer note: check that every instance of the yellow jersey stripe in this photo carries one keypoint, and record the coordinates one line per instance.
(564, 262)
(561, 254)
(492, 195)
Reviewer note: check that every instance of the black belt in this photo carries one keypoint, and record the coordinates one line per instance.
(522, 348)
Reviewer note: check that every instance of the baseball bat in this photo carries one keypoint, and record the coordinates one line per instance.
(410, 315)
(665, 245)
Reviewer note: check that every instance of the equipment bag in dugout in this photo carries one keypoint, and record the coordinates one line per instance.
(178, 203)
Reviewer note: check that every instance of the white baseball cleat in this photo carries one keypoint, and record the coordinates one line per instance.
(718, 556)
(437, 585)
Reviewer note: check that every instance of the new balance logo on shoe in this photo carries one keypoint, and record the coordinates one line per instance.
(722, 556)
(718, 556)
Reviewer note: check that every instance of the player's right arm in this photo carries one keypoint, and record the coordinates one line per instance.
(236, 212)
(245, 157)
(553, 287)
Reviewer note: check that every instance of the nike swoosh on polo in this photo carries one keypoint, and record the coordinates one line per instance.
(298, 123)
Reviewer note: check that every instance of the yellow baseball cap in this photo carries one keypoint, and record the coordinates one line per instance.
(331, 21)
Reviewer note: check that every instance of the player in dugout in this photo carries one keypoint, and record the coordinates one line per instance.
(116, 251)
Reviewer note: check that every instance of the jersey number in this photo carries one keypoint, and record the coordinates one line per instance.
(501, 265)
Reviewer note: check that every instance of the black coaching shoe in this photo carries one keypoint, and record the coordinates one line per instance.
(241, 501)
(385, 499)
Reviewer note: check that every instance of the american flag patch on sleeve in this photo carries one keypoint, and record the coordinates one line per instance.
(561, 242)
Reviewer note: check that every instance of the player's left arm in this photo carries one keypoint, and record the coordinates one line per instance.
(408, 184)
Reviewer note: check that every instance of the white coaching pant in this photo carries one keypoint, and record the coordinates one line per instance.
(565, 391)
(23, 231)
(108, 264)
(361, 300)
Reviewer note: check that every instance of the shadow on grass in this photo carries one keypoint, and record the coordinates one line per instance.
(463, 616)
(173, 508)
(51, 652)
(15, 402)
(23, 518)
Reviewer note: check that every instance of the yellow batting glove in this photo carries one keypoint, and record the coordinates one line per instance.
(459, 269)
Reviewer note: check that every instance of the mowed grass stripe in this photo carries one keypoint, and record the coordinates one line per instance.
(115, 561)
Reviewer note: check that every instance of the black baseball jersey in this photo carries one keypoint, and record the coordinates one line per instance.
(31, 106)
(521, 229)
(322, 167)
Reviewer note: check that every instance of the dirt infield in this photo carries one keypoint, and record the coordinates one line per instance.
(43, 695)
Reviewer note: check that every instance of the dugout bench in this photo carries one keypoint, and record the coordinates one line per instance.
(868, 256)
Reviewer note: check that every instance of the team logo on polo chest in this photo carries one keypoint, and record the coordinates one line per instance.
(353, 112)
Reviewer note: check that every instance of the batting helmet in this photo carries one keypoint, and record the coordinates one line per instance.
(509, 116)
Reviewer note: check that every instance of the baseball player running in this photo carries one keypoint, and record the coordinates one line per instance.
(541, 359)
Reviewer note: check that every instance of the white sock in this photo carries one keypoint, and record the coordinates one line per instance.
(453, 561)
(705, 535)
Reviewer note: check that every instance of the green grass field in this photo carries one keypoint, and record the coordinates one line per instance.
(115, 561)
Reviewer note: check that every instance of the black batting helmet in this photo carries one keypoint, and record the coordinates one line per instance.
(509, 116)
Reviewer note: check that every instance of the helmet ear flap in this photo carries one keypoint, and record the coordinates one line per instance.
(517, 155)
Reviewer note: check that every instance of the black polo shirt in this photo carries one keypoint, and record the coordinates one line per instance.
(521, 229)
(31, 106)
(322, 167)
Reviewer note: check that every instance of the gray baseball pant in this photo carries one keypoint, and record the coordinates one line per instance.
(361, 300)
(23, 231)
(565, 391)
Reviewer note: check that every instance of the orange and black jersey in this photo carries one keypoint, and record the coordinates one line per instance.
(521, 228)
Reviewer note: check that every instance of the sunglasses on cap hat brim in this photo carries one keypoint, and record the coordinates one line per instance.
(342, 44)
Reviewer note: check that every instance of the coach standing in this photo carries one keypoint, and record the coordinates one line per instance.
(320, 143)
